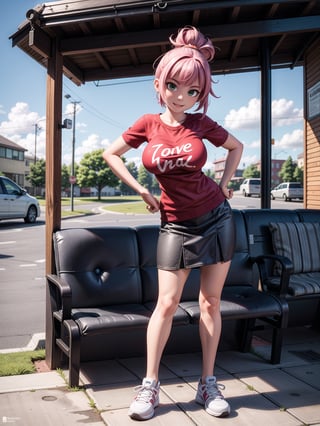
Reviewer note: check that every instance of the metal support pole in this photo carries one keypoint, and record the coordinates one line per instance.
(266, 124)
(72, 159)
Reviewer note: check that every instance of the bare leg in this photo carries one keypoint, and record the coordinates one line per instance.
(212, 280)
(171, 284)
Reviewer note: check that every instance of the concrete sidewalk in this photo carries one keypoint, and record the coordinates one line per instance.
(258, 392)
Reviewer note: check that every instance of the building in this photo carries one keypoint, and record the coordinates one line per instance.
(300, 160)
(275, 170)
(276, 165)
(13, 162)
(219, 166)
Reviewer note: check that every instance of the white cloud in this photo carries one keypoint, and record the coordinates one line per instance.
(284, 113)
(248, 117)
(20, 121)
(293, 140)
(70, 109)
(20, 128)
(247, 159)
(92, 143)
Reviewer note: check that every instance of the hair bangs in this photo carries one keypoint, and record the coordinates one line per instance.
(187, 71)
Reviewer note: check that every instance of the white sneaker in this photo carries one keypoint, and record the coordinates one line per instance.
(210, 396)
(145, 401)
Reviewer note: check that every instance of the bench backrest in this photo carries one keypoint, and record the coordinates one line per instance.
(257, 227)
(258, 233)
(309, 215)
(100, 264)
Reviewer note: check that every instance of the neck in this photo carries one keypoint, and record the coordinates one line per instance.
(172, 119)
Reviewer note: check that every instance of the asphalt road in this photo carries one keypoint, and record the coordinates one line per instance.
(22, 266)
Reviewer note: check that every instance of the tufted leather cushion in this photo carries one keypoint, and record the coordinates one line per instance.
(300, 242)
(100, 264)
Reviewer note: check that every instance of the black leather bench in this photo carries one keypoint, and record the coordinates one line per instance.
(105, 288)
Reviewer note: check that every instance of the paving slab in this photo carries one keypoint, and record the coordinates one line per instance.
(31, 382)
(307, 373)
(48, 407)
(287, 392)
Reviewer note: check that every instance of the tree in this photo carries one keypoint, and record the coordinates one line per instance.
(155, 186)
(125, 189)
(37, 175)
(210, 173)
(251, 172)
(298, 175)
(287, 170)
(65, 175)
(94, 172)
(145, 178)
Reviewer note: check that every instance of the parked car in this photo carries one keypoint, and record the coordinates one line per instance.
(288, 191)
(251, 186)
(16, 203)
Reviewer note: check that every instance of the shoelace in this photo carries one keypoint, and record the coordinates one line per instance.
(144, 393)
(213, 390)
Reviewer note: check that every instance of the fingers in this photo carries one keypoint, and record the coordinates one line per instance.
(152, 209)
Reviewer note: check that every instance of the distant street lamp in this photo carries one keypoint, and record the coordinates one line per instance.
(72, 177)
(36, 130)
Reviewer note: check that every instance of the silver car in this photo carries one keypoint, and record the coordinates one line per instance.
(288, 191)
(16, 203)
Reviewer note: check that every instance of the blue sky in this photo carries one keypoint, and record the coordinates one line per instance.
(106, 110)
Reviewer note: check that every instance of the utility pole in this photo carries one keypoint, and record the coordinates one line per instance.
(72, 177)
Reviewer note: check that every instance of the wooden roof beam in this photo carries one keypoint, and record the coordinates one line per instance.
(258, 29)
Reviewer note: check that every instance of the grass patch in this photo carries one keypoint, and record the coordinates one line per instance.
(17, 363)
(111, 200)
(132, 207)
(130, 204)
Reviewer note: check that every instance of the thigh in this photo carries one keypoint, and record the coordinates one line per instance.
(171, 283)
(213, 278)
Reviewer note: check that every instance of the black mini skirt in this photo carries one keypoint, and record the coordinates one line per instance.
(205, 240)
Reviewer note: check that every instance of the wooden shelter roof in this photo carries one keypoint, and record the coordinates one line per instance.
(107, 39)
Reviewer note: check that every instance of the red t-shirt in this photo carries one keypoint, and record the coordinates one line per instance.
(176, 155)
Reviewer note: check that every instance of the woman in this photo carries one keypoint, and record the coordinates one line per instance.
(197, 228)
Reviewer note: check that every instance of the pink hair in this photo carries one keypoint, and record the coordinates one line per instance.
(187, 62)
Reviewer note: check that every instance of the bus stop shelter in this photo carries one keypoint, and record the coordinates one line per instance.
(95, 40)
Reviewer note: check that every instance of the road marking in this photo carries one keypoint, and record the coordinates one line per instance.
(27, 265)
(7, 242)
(41, 260)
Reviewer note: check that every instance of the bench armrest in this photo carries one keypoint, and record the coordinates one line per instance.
(286, 271)
(60, 297)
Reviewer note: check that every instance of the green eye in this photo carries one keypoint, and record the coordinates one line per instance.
(193, 93)
(171, 86)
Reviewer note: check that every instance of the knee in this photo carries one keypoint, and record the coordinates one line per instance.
(209, 304)
(167, 307)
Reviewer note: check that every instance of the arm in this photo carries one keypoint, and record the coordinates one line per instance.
(235, 149)
(112, 157)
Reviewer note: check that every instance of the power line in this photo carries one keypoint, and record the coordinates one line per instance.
(94, 111)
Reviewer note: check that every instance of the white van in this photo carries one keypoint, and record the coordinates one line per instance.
(251, 186)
